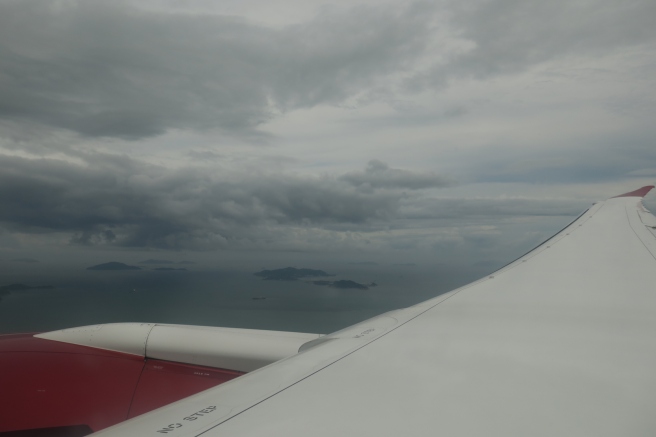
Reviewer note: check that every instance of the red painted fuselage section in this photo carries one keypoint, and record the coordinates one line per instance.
(48, 384)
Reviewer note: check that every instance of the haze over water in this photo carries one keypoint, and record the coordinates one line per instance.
(230, 295)
(230, 298)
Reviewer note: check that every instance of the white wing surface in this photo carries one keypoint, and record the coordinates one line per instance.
(560, 342)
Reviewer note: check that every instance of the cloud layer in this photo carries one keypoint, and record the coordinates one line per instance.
(109, 69)
(112, 69)
(120, 125)
(120, 201)
(380, 175)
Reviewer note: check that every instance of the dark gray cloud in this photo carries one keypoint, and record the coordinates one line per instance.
(110, 69)
(74, 72)
(115, 200)
(380, 175)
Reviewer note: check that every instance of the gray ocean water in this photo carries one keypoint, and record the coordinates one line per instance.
(215, 297)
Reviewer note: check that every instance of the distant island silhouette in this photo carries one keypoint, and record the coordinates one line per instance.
(293, 274)
(290, 274)
(345, 283)
(168, 269)
(113, 265)
(164, 261)
(6, 289)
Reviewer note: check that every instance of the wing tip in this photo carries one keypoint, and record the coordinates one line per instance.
(640, 192)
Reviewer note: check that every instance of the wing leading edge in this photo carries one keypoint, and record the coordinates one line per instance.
(561, 341)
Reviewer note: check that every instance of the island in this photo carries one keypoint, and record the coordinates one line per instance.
(21, 287)
(113, 265)
(6, 289)
(344, 283)
(293, 274)
(168, 269)
(290, 274)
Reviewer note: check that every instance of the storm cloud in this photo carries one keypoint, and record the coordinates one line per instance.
(118, 200)
(110, 69)
(113, 69)
(205, 125)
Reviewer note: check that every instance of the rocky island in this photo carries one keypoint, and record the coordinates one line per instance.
(290, 274)
(345, 283)
(113, 265)
(293, 274)
(6, 289)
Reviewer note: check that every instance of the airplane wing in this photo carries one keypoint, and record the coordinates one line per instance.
(560, 342)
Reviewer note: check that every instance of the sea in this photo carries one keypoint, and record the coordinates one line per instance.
(215, 297)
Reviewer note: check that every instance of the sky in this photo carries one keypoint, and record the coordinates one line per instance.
(291, 132)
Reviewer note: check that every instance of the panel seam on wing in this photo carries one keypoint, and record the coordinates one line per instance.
(450, 295)
(635, 232)
(146, 340)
